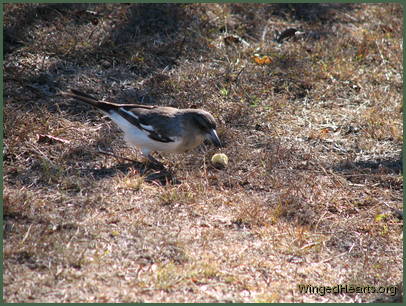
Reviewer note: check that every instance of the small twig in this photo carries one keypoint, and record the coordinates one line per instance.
(43, 62)
(38, 151)
(179, 51)
(71, 238)
(379, 50)
(349, 251)
(50, 139)
(309, 245)
(91, 33)
(332, 257)
(264, 32)
(317, 224)
(238, 75)
(26, 234)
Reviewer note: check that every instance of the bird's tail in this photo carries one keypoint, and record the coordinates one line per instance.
(73, 93)
(81, 96)
(103, 105)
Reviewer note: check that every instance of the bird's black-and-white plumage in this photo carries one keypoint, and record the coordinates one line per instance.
(157, 128)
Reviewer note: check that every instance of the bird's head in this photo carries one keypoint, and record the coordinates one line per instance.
(206, 124)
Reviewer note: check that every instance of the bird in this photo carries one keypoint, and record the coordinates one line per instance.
(153, 128)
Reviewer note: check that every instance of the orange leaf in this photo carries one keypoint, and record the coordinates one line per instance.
(262, 60)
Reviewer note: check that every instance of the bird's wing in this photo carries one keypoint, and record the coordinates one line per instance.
(151, 122)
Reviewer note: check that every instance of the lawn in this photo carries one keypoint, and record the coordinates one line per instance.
(308, 100)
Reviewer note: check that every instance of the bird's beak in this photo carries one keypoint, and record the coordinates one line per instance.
(214, 138)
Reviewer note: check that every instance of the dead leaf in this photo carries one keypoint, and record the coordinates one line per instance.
(231, 39)
(262, 60)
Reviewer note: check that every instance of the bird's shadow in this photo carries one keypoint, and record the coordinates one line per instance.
(150, 171)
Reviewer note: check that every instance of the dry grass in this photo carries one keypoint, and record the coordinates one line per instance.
(313, 191)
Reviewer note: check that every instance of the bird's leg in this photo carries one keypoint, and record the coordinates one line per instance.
(155, 161)
(114, 155)
(147, 153)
